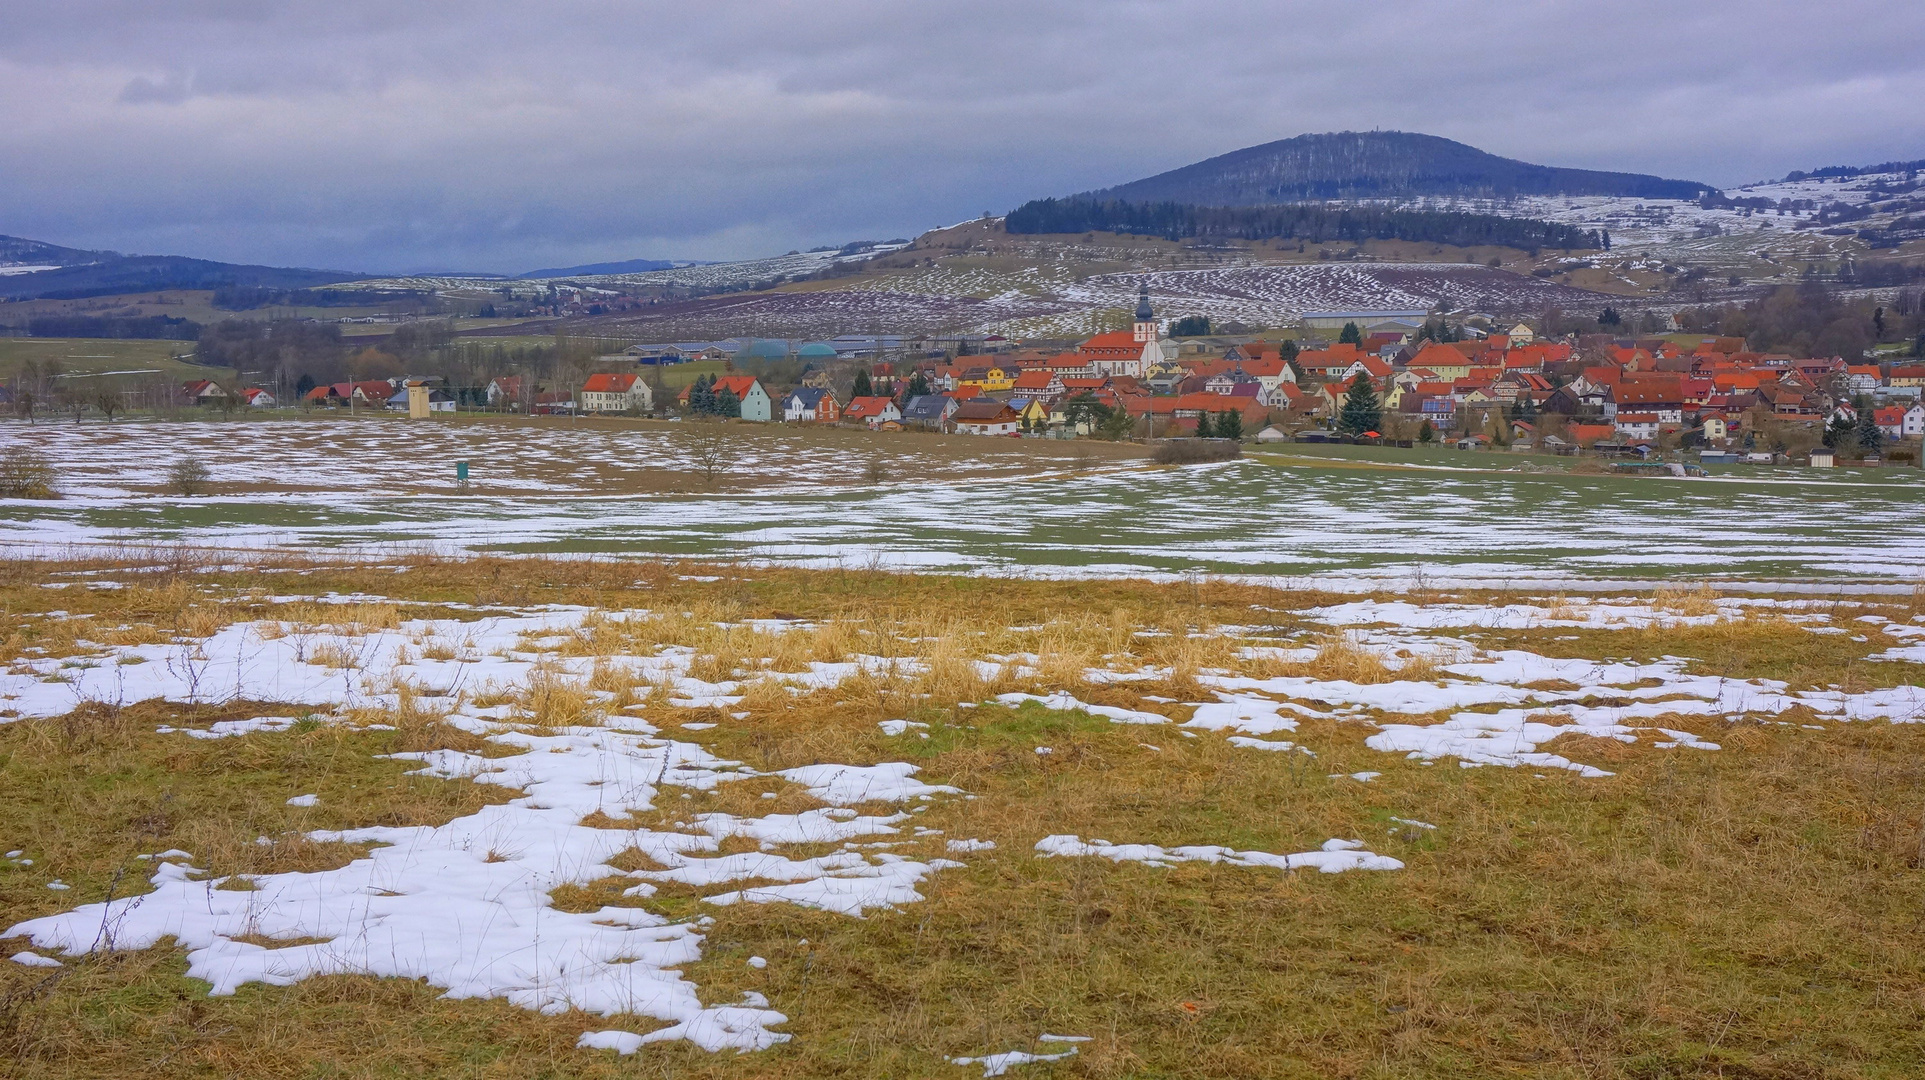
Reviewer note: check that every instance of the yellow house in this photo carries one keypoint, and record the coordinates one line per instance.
(990, 380)
(1448, 363)
(1033, 412)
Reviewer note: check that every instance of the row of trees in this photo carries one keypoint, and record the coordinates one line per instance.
(1314, 222)
(1813, 319)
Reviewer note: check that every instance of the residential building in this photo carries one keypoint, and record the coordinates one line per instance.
(757, 406)
(202, 392)
(606, 393)
(929, 411)
(874, 411)
(811, 404)
(986, 417)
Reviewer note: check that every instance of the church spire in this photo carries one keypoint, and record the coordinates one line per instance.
(1143, 313)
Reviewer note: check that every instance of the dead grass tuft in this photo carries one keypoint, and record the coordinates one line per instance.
(1689, 602)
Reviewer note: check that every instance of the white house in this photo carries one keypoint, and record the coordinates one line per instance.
(606, 393)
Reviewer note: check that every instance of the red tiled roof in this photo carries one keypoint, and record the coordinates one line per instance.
(608, 384)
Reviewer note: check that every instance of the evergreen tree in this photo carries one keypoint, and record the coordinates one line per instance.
(1117, 425)
(1869, 438)
(726, 403)
(1526, 408)
(919, 385)
(1425, 433)
(1351, 335)
(303, 384)
(1288, 350)
(1610, 317)
(1203, 430)
(1361, 411)
(1229, 424)
(1840, 433)
(863, 387)
(699, 400)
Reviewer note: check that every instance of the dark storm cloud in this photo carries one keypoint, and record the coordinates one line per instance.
(491, 134)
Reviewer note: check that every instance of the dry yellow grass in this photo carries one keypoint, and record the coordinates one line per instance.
(1737, 913)
(1699, 601)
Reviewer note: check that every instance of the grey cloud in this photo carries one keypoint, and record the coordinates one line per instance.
(504, 135)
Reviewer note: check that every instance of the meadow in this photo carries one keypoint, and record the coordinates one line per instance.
(306, 816)
(1334, 517)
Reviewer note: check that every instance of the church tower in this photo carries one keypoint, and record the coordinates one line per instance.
(1146, 329)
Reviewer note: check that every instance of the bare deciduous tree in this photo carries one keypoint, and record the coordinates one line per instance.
(709, 447)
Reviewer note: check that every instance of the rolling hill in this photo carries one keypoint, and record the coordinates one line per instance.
(1394, 165)
(32, 270)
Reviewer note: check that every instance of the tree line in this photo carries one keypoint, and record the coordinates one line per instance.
(1312, 222)
(162, 327)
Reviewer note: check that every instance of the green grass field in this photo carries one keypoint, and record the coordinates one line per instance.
(130, 359)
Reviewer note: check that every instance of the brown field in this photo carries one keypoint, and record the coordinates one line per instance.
(1749, 912)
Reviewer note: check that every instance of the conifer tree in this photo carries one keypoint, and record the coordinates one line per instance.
(1361, 412)
(1868, 437)
(919, 385)
(1425, 433)
(1840, 433)
(863, 387)
(1203, 429)
(726, 403)
(1229, 424)
(1351, 335)
(1288, 350)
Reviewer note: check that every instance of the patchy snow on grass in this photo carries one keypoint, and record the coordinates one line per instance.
(1335, 857)
(466, 905)
(998, 1064)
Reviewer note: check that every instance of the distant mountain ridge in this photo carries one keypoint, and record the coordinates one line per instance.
(78, 273)
(1351, 165)
(629, 266)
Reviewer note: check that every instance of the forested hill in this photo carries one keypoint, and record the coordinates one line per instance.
(76, 273)
(1377, 165)
(17, 251)
(1313, 222)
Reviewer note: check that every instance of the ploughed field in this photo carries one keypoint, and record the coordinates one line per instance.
(806, 496)
(355, 817)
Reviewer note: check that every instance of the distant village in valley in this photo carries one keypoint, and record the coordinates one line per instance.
(1404, 378)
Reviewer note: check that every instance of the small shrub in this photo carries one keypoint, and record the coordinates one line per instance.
(187, 476)
(1195, 451)
(26, 474)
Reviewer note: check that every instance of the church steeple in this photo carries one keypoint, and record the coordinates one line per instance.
(1146, 328)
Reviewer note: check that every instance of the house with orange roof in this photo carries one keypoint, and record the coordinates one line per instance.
(757, 406)
(1863, 378)
(874, 411)
(612, 393)
(1040, 383)
(1442, 360)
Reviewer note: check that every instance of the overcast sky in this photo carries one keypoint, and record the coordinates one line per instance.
(509, 135)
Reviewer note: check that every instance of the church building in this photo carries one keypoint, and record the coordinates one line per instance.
(1133, 352)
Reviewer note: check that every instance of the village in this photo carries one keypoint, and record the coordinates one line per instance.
(1399, 378)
